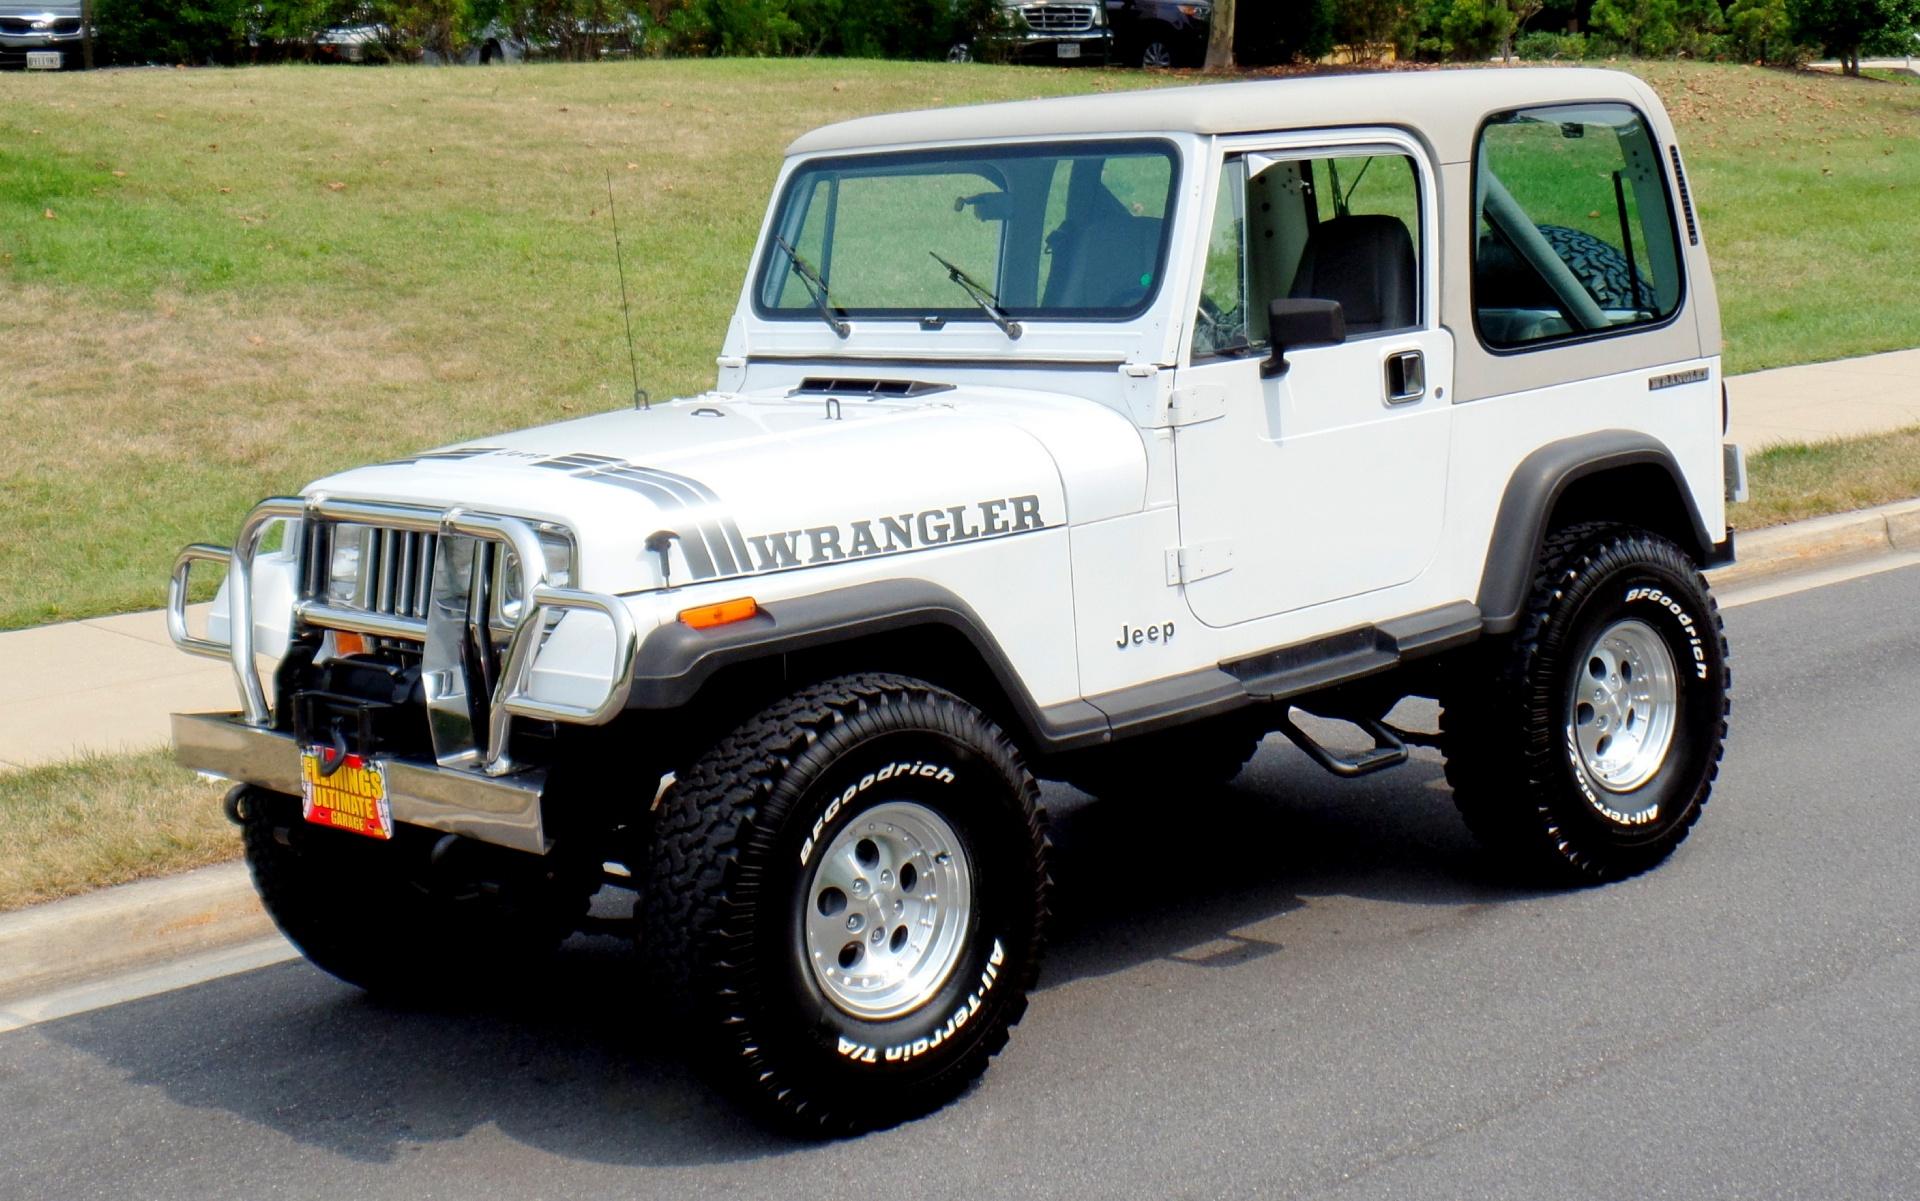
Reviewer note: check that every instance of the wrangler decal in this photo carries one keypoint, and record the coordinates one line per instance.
(715, 548)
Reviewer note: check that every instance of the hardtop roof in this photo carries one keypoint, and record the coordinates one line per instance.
(1444, 106)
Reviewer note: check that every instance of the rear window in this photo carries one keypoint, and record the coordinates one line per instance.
(1575, 233)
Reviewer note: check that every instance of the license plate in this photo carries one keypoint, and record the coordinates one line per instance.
(353, 798)
(44, 60)
(1068, 49)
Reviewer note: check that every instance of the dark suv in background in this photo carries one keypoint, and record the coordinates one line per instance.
(1044, 31)
(1160, 33)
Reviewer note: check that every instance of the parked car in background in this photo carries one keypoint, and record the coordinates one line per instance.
(44, 36)
(349, 44)
(1045, 33)
(1160, 33)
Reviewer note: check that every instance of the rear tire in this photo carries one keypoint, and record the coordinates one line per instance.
(875, 805)
(379, 916)
(1588, 753)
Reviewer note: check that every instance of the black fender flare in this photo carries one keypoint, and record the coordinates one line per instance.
(675, 661)
(1535, 490)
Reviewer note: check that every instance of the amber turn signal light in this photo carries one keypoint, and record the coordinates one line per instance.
(345, 644)
(725, 613)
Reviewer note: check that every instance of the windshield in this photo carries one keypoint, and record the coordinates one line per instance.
(1068, 232)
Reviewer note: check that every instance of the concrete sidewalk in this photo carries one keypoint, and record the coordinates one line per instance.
(107, 685)
(1842, 399)
(100, 686)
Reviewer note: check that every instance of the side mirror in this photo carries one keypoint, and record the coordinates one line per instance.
(1292, 323)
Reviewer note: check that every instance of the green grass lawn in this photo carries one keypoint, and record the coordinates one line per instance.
(105, 820)
(1787, 483)
(221, 284)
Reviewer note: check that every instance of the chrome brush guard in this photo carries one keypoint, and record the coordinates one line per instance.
(440, 634)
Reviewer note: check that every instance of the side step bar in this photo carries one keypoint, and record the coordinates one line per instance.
(1388, 749)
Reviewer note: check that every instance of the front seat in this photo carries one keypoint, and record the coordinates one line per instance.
(1365, 263)
(1103, 264)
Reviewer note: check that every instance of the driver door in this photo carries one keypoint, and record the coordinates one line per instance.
(1327, 479)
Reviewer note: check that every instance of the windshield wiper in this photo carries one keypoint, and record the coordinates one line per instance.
(988, 302)
(816, 287)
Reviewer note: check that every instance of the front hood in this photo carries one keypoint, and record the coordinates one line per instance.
(738, 485)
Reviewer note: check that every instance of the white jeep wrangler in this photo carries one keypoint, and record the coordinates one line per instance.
(1083, 439)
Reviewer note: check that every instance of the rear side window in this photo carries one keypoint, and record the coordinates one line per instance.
(1575, 229)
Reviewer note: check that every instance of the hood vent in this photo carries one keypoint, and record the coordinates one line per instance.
(872, 389)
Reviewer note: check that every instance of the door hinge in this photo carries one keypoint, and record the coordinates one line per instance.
(1196, 403)
(1185, 564)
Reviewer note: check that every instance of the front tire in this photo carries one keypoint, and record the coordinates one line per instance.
(384, 917)
(847, 902)
(1589, 753)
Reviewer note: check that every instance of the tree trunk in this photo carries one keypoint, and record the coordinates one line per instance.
(1220, 37)
(86, 34)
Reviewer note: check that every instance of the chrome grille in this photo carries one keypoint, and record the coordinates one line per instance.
(402, 582)
(1059, 18)
(393, 575)
(22, 26)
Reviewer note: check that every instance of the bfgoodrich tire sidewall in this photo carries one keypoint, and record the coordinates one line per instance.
(1668, 598)
(984, 992)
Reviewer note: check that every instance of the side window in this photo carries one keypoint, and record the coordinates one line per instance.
(1575, 232)
(1220, 324)
(1343, 227)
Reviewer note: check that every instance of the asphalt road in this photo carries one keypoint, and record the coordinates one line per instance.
(1301, 988)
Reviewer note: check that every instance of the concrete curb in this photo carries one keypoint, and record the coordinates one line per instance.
(1821, 541)
(64, 943)
(133, 926)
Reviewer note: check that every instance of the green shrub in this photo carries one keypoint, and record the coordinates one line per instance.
(1546, 47)
(1268, 34)
(1844, 27)
(1474, 29)
(172, 31)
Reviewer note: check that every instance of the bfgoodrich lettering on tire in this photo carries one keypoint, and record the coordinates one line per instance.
(847, 900)
(1588, 754)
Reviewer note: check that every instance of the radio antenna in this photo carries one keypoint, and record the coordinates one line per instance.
(640, 398)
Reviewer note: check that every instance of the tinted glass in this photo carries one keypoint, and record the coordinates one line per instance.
(1575, 230)
(1067, 232)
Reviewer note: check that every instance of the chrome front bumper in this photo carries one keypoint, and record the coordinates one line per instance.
(504, 811)
(475, 788)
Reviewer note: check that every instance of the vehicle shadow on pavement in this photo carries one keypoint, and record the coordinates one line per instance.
(578, 1068)
(1144, 878)
(584, 1069)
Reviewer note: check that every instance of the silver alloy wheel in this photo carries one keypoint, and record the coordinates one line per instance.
(1623, 706)
(887, 910)
(1157, 55)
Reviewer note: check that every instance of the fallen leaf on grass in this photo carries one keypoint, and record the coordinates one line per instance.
(119, 174)
(336, 186)
(224, 191)
(256, 340)
(49, 215)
